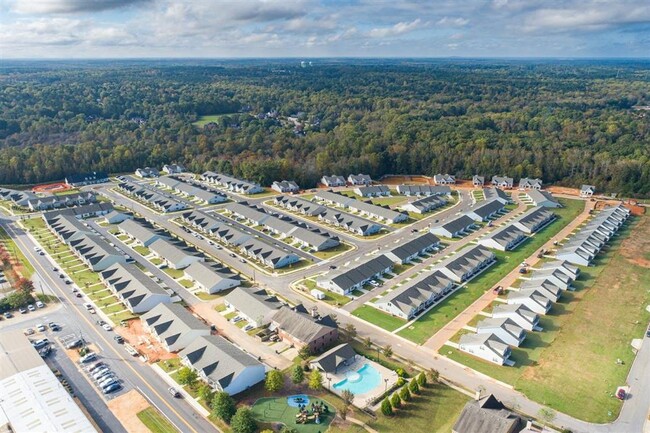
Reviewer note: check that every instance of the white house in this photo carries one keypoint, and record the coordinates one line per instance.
(444, 179)
(478, 181)
(173, 168)
(486, 346)
(173, 326)
(528, 183)
(210, 279)
(542, 198)
(504, 328)
(372, 191)
(587, 190)
(285, 186)
(222, 365)
(518, 313)
(174, 256)
(359, 179)
(532, 299)
(502, 182)
(147, 172)
(333, 181)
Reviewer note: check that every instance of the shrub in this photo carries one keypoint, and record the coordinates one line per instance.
(315, 380)
(413, 387)
(400, 381)
(404, 394)
(400, 372)
(395, 401)
(386, 408)
(223, 406)
(422, 379)
(297, 374)
(243, 421)
(274, 381)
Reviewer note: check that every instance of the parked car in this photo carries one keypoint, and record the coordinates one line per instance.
(55, 270)
(31, 307)
(112, 388)
(332, 266)
(96, 366)
(101, 373)
(107, 327)
(68, 282)
(108, 381)
(41, 253)
(38, 344)
(74, 344)
(29, 331)
(248, 328)
(91, 356)
(118, 339)
(174, 392)
(53, 326)
(77, 294)
(61, 276)
(22, 310)
(374, 283)
(41, 327)
(39, 304)
(8, 315)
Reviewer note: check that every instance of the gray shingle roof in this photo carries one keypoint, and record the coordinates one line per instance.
(534, 218)
(301, 325)
(334, 358)
(298, 204)
(168, 321)
(254, 303)
(424, 189)
(413, 295)
(457, 224)
(351, 277)
(486, 208)
(218, 359)
(487, 415)
(540, 196)
(415, 246)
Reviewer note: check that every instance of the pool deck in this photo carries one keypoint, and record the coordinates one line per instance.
(388, 379)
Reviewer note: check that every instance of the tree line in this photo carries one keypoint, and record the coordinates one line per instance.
(566, 122)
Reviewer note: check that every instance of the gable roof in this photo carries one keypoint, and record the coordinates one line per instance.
(458, 224)
(415, 246)
(168, 321)
(539, 196)
(301, 325)
(487, 415)
(217, 359)
(333, 358)
(207, 274)
(411, 296)
(254, 303)
(361, 272)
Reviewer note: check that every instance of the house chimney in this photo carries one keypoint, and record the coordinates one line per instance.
(314, 311)
(477, 395)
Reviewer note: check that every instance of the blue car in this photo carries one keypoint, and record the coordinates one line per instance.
(112, 388)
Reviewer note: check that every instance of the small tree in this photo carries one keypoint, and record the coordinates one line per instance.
(388, 351)
(223, 406)
(315, 379)
(546, 415)
(422, 379)
(304, 352)
(434, 376)
(297, 374)
(347, 396)
(413, 387)
(386, 408)
(404, 394)
(350, 332)
(395, 401)
(274, 381)
(367, 343)
(205, 393)
(187, 376)
(243, 421)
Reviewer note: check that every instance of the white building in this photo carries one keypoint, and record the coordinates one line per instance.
(486, 346)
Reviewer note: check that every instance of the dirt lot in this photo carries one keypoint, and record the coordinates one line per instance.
(51, 187)
(406, 180)
(143, 342)
(126, 408)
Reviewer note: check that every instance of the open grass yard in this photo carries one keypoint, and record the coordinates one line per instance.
(169, 365)
(571, 365)
(433, 320)
(155, 422)
(389, 201)
(328, 254)
(303, 263)
(174, 273)
(276, 410)
(26, 270)
(378, 317)
(435, 410)
(143, 251)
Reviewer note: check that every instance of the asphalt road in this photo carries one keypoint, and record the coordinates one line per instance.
(132, 371)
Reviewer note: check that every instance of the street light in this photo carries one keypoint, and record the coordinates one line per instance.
(386, 384)
(329, 382)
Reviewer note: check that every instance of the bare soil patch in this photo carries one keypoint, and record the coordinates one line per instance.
(143, 342)
(126, 407)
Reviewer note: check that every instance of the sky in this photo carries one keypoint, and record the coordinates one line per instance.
(317, 28)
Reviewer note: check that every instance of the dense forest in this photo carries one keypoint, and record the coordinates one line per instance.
(566, 122)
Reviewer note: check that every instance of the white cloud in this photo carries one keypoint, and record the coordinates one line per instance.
(452, 22)
(590, 16)
(70, 6)
(396, 30)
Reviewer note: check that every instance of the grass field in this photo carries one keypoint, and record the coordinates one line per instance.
(377, 317)
(328, 254)
(569, 342)
(27, 269)
(389, 201)
(432, 321)
(204, 120)
(155, 422)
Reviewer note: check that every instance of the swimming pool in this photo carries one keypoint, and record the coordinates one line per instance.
(361, 381)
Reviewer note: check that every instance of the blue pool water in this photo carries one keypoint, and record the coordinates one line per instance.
(296, 400)
(361, 381)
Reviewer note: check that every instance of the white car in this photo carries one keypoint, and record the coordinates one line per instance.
(107, 327)
(39, 304)
(374, 283)
(41, 327)
(30, 307)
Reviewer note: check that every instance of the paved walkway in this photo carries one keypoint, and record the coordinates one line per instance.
(441, 337)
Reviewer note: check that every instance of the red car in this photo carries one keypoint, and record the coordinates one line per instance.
(621, 394)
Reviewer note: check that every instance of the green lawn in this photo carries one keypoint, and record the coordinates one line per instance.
(377, 317)
(436, 409)
(174, 273)
(328, 254)
(170, 365)
(275, 410)
(155, 422)
(432, 321)
(143, 251)
(389, 201)
(10, 246)
(330, 297)
(186, 283)
(569, 343)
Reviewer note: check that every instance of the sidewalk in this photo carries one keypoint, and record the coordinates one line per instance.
(441, 337)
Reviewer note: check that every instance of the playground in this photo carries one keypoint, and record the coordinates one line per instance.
(314, 415)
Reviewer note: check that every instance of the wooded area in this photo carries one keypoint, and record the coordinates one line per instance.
(566, 122)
